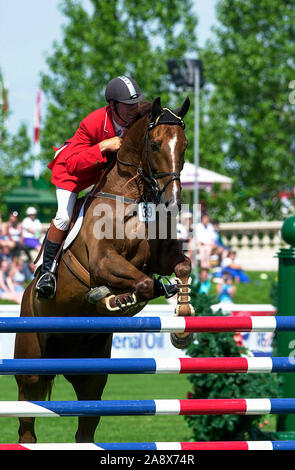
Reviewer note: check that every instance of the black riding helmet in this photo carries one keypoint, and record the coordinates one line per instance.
(123, 89)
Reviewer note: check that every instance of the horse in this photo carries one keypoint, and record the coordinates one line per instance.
(148, 167)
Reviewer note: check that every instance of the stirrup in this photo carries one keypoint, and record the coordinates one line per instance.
(53, 278)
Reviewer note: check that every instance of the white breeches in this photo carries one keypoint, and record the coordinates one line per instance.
(65, 206)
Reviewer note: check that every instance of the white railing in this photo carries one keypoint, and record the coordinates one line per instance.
(256, 243)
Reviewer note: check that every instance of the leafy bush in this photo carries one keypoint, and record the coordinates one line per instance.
(224, 427)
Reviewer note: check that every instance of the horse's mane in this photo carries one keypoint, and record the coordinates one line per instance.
(131, 140)
(144, 108)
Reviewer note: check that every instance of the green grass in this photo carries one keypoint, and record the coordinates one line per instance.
(256, 292)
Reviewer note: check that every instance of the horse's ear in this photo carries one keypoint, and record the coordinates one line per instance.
(156, 108)
(181, 112)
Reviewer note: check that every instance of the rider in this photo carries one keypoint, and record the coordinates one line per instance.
(78, 164)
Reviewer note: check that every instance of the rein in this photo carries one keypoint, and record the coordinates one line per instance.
(165, 117)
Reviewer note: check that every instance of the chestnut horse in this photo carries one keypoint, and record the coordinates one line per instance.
(147, 169)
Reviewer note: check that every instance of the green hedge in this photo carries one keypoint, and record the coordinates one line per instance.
(224, 427)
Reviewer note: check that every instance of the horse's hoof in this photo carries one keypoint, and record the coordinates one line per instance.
(181, 343)
(96, 294)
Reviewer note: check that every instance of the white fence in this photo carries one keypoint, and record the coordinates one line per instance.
(256, 243)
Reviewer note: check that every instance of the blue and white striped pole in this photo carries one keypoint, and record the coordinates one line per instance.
(147, 365)
(251, 406)
(145, 324)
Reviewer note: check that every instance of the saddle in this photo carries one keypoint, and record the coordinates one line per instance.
(121, 302)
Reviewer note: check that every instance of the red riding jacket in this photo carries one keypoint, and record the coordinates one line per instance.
(79, 164)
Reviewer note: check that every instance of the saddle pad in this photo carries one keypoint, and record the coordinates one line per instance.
(76, 228)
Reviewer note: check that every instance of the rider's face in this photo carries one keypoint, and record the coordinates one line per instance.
(126, 112)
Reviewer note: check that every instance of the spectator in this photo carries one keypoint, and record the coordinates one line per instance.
(225, 289)
(5, 253)
(17, 275)
(205, 240)
(220, 249)
(205, 282)
(7, 291)
(4, 242)
(1, 228)
(12, 232)
(232, 265)
(27, 268)
(183, 229)
(31, 229)
(14, 236)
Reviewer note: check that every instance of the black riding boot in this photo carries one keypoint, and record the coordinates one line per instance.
(46, 284)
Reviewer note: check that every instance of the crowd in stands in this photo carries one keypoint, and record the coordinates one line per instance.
(217, 263)
(19, 241)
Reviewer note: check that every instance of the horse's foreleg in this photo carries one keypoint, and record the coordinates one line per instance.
(183, 306)
(114, 270)
(183, 271)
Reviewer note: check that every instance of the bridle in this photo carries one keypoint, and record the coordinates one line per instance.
(165, 117)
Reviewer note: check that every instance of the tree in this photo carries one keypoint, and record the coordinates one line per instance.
(112, 38)
(248, 119)
(14, 157)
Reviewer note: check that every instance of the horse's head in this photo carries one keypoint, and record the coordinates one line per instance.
(165, 144)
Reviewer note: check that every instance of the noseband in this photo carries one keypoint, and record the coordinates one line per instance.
(165, 117)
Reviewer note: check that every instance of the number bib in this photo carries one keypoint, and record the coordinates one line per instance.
(146, 212)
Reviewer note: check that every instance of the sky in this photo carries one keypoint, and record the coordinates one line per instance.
(28, 29)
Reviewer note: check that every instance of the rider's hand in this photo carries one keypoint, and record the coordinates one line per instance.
(110, 145)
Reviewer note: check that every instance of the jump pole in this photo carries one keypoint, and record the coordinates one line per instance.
(214, 445)
(146, 324)
(251, 406)
(202, 365)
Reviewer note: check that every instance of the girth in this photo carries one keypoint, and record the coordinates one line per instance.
(76, 268)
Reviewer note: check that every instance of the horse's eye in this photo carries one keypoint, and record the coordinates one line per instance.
(155, 146)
